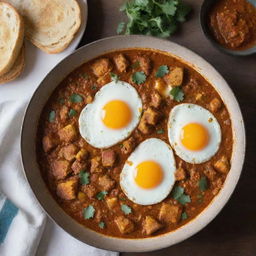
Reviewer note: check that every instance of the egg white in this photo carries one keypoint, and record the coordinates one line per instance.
(155, 150)
(183, 114)
(91, 127)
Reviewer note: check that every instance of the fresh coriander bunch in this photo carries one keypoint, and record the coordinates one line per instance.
(153, 17)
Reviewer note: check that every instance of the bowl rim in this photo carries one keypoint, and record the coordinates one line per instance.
(204, 28)
(45, 89)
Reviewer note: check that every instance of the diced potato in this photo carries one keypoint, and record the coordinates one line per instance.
(82, 154)
(67, 190)
(112, 202)
(60, 169)
(78, 166)
(124, 224)
(49, 142)
(162, 88)
(101, 66)
(151, 116)
(150, 225)
(222, 165)
(175, 77)
(81, 197)
(121, 62)
(69, 152)
(170, 213)
(215, 105)
(180, 174)
(68, 133)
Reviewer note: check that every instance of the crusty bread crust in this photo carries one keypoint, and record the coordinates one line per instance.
(50, 24)
(11, 36)
(16, 69)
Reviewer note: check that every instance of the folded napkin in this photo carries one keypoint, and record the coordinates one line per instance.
(22, 221)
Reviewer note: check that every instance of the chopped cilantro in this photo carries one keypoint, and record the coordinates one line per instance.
(203, 183)
(161, 131)
(114, 77)
(139, 77)
(126, 209)
(162, 71)
(177, 192)
(184, 216)
(135, 64)
(120, 27)
(179, 195)
(94, 87)
(75, 98)
(85, 75)
(84, 177)
(183, 199)
(122, 198)
(153, 17)
(52, 116)
(177, 94)
(102, 224)
(88, 212)
(72, 112)
(101, 195)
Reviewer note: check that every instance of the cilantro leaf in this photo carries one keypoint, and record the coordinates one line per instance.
(184, 216)
(88, 212)
(114, 77)
(120, 28)
(75, 98)
(182, 11)
(177, 94)
(179, 195)
(162, 71)
(203, 183)
(139, 77)
(101, 195)
(84, 177)
(161, 131)
(52, 116)
(72, 112)
(183, 199)
(126, 209)
(177, 192)
(102, 224)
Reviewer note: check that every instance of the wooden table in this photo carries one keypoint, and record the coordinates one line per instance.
(233, 231)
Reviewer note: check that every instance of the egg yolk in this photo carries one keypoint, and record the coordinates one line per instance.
(149, 174)
(194, 136)
(116, 114)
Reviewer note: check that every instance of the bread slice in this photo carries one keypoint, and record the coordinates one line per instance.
(16, 69)
(50, 24)
(11, 36)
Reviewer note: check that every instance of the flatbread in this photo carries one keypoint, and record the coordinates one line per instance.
(50, 24)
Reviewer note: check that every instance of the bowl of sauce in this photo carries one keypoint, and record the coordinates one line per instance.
(230, 25)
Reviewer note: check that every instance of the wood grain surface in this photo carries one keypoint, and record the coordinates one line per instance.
(233, 231)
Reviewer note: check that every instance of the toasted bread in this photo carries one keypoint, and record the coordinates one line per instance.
(50, 24)
(11, 36)
(16, 69)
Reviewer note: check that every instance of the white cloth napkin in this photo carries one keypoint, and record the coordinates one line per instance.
(28, 222)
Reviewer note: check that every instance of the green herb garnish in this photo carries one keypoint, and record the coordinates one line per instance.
(153, 17)
(203, 183)
(72, 112)
(184, 216)
(177, 94)
(139, 77)
(102, 224)
(85, 75)
(161, 131)
(52, 116)
(135, 65)
(114, 77)
(94, 87)
(126, 209)
(88, 212)
(101, 195)
(120, 27)
(179, 195)
(162, 71)
(75, 98)
(84, 177)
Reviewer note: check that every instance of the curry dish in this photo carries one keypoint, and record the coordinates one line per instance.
(85, 179)
(233, 22)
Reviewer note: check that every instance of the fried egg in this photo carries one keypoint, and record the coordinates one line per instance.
(194, 133)
(148, 174)
(112, 116)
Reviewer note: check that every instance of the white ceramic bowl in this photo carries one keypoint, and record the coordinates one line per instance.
(45, 89)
